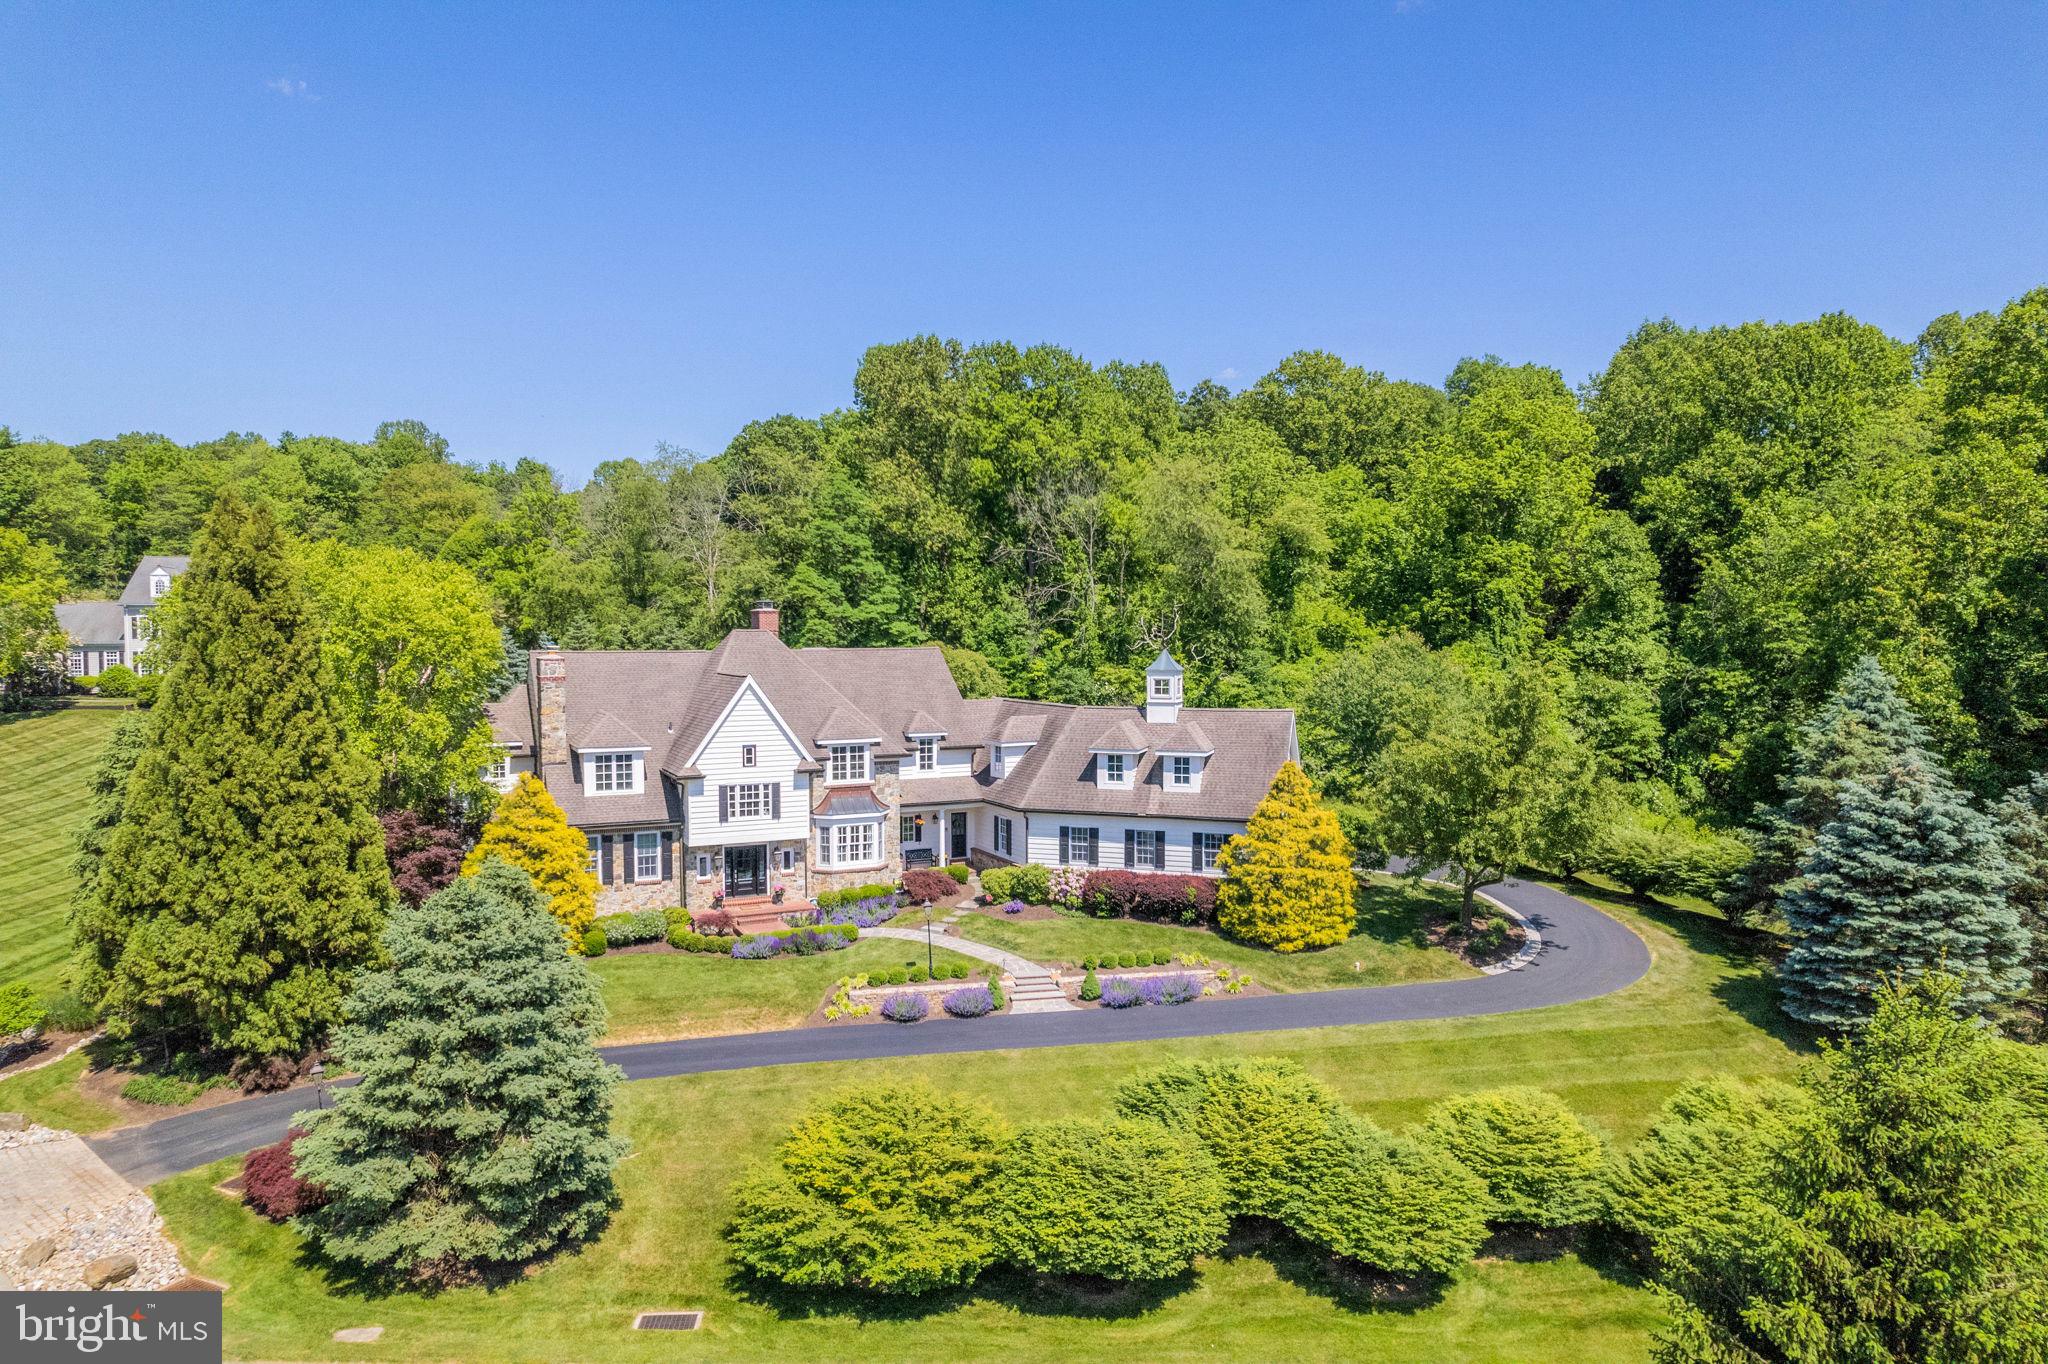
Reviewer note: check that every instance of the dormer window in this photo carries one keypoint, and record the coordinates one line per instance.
(927, 754)
(613, 774)
(848, 763)
(1113, 768)
(1180, 770)
(159, 583)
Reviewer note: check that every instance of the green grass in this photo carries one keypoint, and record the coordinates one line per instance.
(47, 757)
(1387, 948)
(50, 1096)
(1703, 1009)
(660, 995)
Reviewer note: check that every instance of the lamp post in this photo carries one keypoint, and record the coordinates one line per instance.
(319, 1073)
(928, 939)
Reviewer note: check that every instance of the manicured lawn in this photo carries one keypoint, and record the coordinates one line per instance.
(655, 996)
(1703, 1009)
(46, 758)
(50, 1096)
(1387, 948)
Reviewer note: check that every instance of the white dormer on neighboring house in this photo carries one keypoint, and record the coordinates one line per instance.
(1163, 690)
(159, 582)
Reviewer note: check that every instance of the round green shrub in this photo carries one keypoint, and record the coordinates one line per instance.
(1127, 960)
(1254, 1116)
(1379, 1199)
(1123, 1199)
(594, 942)
(885, 1188)
(1088, 962)
(1161, 958)
(918, 975)
(1540, 1163)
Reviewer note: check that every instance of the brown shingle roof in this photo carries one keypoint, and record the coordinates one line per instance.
(608, 731)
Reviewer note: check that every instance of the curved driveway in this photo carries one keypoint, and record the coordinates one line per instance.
(1585, 954)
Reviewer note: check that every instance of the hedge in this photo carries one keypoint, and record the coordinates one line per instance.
(624, 930)
(832, 899)
(1151, 895)
(1030, 883)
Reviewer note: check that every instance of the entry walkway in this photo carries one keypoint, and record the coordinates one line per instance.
(1032, 990)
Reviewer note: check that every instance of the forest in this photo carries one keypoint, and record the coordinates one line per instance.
(1690, 548)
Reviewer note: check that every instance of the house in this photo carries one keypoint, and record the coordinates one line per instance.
(753, 766)
(100, 634)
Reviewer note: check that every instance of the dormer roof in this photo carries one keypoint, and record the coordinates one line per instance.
(136, 593)
(1120, 738)
(1164, 666)
(606, 732)
(922, 726)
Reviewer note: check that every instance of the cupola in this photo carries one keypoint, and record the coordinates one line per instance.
(1162, 690)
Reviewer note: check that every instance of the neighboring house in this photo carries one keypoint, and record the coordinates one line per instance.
(751, 766)
(100, 634)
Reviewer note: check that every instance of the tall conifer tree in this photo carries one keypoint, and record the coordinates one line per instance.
(1906, 879)
(245, 881)
(2023, 819)
(529, 830)
(479, 1137)
(1287, 879)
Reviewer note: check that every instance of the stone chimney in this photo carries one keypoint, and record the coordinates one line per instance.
(767, 617)
(550, 673)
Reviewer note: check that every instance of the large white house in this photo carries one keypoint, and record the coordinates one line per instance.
(752, 767)
(99, 634)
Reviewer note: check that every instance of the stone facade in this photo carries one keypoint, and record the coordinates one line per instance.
(697, 895)
(551, 739)
(888, 786)
(624, 898)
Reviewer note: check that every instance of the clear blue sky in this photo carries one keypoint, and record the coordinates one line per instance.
(574, 231)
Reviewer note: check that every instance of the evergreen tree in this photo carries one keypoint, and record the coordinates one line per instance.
(1287, 879)
(1860, 731)
(91, 930)
(2023, 818)
(245, 881)
(479, 1138)
(1905, 879)
(530, 831)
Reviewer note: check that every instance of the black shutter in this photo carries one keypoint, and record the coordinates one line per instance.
(1130, 849)
(1159, 849)
(1094, 847)
(668, 856)
(724, 804)
(605, 861)
(775, 801)
(1065, 845)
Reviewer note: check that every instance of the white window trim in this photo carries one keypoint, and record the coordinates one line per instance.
(749, 755)
(636, 771)
(703, 866)
(830, 842)
(1124, 759)
(762, 793)
(646, 842)
(927, 754)
(1162, 687)
(833, 753)
(1180, 772)
(1003, 835)
(1195, 841)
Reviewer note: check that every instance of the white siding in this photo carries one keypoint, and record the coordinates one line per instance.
(775, 760)
(953, 762)
(1043, 841)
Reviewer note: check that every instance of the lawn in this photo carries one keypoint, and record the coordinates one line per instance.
(1387, 948)
(655, 996)
(47, 757)
(1703, 1009)
(50, 1095)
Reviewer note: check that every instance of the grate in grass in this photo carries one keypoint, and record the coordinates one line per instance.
(668, 1321)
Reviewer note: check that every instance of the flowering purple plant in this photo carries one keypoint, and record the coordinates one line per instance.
(808, 942)
(1118, 992)
(1013, 907)
(906, 1006)
(757, 949)
(1066, 886)
(868, 913)
(970, 1001)
(1177, 989)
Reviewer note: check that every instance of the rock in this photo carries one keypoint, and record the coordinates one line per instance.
(13, 1122)
(358, 1335)
(109, 1269)
(37, 1251)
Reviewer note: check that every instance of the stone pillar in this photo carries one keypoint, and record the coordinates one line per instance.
(550, 673)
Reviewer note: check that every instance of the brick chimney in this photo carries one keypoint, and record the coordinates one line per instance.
(550, 673)
(766, 617)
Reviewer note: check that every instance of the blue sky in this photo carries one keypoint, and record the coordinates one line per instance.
(575, 231)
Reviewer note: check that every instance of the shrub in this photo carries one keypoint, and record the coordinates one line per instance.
(869, 912)
(923, 883)
(717, 923)
(1162, 896)
(1288, 883)
(264, 1074)
(1539, 1162)
(895, 975)
(1254, 1116)
(918, 975)
(1127, 960)
(995, 991)
(424, 854)
(116, 680)
(1176, 989)
(685, 940)
(1385, 1201)
(1030, 883)
(885, 1188)
(20, 1010)
(833, 899)
(1066, 886)
(1091, 988)
(1654, 854)
(166, 1090)
(626, 930)
(972, 1001)
(594, 942)
(959, 871)
(271, 1184)
(1013, 907)
(1122, 1199)
(146, 688)
(906, 1006)
(1088, 963)
(1162, 958)
(1119, 993)
(68, 1012)
(757, 948)
(1490, 936)
(809, 942)
(1704, 1152)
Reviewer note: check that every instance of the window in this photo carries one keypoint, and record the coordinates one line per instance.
(611, 772)
(1003, 845)
(75, 663)
(499, 768)
(911, 828)
(1078, 847)
(849, 763)
(847, 845)
(927, 755)
(1161, 686)
(1145, 848)
(703, 866)
(647, 856)
(748, 752)
(159, 581)
(595, 869)
(1206, 848)
(789, 859)
(750, 801)
(1181, 770)
(1113, 768)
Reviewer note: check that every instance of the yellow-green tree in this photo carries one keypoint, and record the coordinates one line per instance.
(529, 830)
(1287, 881)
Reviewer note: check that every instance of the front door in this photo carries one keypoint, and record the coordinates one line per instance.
(746, 870)
(956, 836)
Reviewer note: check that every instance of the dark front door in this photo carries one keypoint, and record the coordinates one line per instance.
(956, 835)
(746, 870)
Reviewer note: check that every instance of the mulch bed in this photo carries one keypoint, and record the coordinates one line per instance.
(1446, 934)
(21, 1056)
(1028, 914)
